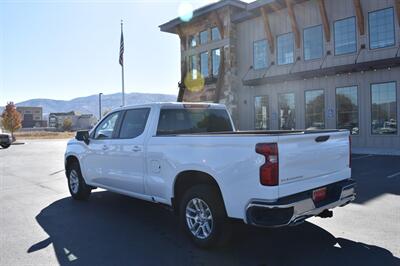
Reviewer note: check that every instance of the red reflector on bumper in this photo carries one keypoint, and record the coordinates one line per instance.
(319, 194)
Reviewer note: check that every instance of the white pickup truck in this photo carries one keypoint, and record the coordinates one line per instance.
(191, 158)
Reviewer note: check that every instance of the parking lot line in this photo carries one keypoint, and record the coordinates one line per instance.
(394, 175)
(62, 170)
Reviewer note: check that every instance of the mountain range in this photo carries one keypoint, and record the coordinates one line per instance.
(90, 104)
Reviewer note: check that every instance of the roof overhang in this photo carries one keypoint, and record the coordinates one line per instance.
(257, 79)
(253, 8)
(246, 11)
(173, 24)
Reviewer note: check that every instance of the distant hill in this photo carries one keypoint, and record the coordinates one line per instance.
(90, 104)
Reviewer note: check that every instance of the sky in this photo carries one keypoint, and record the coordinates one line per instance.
(67, 49)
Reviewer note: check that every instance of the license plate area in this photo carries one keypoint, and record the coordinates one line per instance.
(319, 194)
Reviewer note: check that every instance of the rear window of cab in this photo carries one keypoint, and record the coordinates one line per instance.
(193, 120)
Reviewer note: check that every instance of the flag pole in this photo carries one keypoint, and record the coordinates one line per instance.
(123, 82)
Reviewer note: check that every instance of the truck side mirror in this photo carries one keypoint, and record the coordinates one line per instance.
(83, 135)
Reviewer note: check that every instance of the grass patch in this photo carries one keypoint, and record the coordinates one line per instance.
(44, 135)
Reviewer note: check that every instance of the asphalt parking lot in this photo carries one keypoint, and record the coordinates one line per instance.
(41, 225)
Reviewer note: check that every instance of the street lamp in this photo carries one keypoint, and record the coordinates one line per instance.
(100, 105)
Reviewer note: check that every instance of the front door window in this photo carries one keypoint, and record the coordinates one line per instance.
(106, 128)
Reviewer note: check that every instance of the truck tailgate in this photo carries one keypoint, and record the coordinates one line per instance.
(312, 160)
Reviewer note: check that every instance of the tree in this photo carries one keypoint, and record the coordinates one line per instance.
(11, 118)
(67, 124)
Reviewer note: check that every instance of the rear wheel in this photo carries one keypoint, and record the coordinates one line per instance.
(76, 184)
(203, 217)
(5, 146)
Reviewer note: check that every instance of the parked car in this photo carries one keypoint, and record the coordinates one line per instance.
(191, 158)
(5, 140)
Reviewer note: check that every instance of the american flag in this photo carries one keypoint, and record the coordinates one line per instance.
(121, 50)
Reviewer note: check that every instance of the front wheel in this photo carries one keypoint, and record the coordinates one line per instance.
(5, 146)
(76, 184)
(203, 216)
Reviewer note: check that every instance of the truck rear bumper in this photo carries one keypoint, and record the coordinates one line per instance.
(294, 209)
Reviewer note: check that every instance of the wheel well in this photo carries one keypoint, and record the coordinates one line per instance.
(187, 179)
(70, 160)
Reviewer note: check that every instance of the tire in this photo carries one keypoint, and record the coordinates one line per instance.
(203, 217)
(76, 184)
(5, 146)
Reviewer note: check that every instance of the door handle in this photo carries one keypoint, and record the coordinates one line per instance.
(322, 138)
(105, 147)
(136, 148)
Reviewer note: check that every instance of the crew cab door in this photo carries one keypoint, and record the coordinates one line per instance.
(125, 167)
(95, 159)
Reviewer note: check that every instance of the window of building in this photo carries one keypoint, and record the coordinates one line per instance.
(381, 28)
(215, 34)
(204, 37)
(134, 123)
(261, 111)
(285, 45)
(347, 109)
(192, 41)
(193, 66)
(315, 109)
(383, 108)
(345, 36)
(313, 42)
(287, 111)
(260, 59)
(216, 58)
(204, 64)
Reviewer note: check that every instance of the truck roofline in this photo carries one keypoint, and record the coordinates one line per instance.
(171, 104)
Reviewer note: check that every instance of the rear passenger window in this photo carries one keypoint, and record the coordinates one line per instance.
(184, 121)
(134, 123)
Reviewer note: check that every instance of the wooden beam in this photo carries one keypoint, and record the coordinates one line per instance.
(218, 21)
(267, 28)
(293, 22)
(360, 16)
(276, 6)
(397, 3)
(325, 21)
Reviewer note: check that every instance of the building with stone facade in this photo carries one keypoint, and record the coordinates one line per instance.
(298, 64)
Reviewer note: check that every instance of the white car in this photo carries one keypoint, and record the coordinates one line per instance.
(191, 158)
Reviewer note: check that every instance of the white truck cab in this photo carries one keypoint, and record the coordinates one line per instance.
(190, 157)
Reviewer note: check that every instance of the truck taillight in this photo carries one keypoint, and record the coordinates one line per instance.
(269, 171)
(349, 151)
